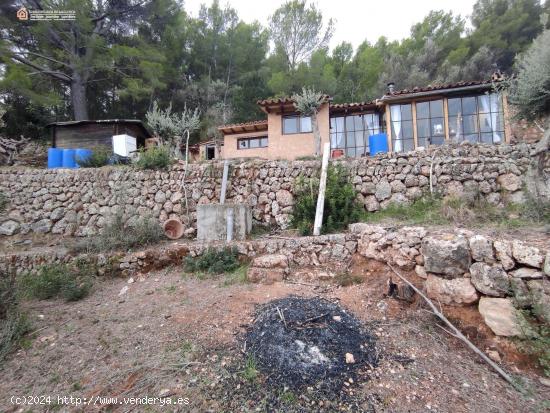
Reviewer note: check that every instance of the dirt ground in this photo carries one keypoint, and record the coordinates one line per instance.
(176, 338)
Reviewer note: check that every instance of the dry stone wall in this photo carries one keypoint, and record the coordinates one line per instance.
(79, 202)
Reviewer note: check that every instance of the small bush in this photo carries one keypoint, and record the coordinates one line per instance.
(214, 261)
(118, 234)
(100, 156)
(469, 210)
(536, 338)
(13, 323)
(56, 280)
(3, 202)
(157, 157)
(341, 207)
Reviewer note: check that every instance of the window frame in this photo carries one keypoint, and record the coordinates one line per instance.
(412, 121)
(298, 124)
(478, 116)
(430, 118)
(364, 127)
(253, 138)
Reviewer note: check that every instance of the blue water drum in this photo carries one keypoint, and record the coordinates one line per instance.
(55, 157)
(378, 143)
(68, 159)
(81, 155)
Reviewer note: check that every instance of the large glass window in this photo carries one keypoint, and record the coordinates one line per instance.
(351, 133)
(402, 128)
(296, 124)
(430, 123)
(477, 119)
(252, 143)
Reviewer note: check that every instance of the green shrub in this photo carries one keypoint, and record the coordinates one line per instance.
(157, 157)
(13, 323)
(100, 156)
(214, 261)
(341, 207)
(118, 234)
(57, 280)
(3, 202)
(536, 338)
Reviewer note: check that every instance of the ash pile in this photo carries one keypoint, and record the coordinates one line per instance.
(301, 342)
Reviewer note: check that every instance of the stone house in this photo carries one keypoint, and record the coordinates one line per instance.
(464, 111)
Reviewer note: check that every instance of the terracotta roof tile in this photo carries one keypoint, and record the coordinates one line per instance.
(240, 125)
(430, 88)
(281, 101)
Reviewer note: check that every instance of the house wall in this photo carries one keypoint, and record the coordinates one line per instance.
(230, 151)
(295, 145)
(85, 136)
(91, 135)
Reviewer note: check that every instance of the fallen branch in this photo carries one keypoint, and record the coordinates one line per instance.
(456, 332)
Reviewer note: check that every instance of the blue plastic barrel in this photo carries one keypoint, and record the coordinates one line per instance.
(55, 157)
(378, 143)
(68, 159)
(82, 155)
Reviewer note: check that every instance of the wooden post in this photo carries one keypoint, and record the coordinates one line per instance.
(388, 128)
(322, 187)
(224, 181)
(415, 132)
(446, 117)
(507, 118)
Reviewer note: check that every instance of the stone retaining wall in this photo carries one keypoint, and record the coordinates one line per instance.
(460, 267)
(78, 202)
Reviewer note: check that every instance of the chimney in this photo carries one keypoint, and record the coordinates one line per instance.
(391, 88)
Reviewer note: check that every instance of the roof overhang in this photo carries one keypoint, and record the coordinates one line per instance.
(244, 128)
(282, 105)
(436, 92)
(136, 122)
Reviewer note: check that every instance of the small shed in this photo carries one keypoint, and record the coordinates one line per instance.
(88, 134)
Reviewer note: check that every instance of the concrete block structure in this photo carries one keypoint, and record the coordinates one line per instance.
(212, 221)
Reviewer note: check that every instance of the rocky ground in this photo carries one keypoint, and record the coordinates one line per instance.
(174, 336)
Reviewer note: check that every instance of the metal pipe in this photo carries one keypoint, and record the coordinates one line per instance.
(224, 181)
(229, 222)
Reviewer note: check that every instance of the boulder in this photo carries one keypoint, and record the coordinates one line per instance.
(525, 272)
(520, 292)
(509, 182)
(9, 227)
(500, 315)
(420, 271)
(271, 261)
(383, 190)
(482, 249)
(284, 198)
(540, 295)
(458, 291)
(503, 251)
(43, 226)
(265, 275)
(526, 254)
(546, 267)
(446, 254)
(490, 280)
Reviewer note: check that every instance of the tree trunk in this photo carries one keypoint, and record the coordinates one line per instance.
(78, 97)
(316, 134)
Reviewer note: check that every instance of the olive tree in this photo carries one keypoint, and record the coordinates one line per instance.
(530, 93)
(308, 103)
